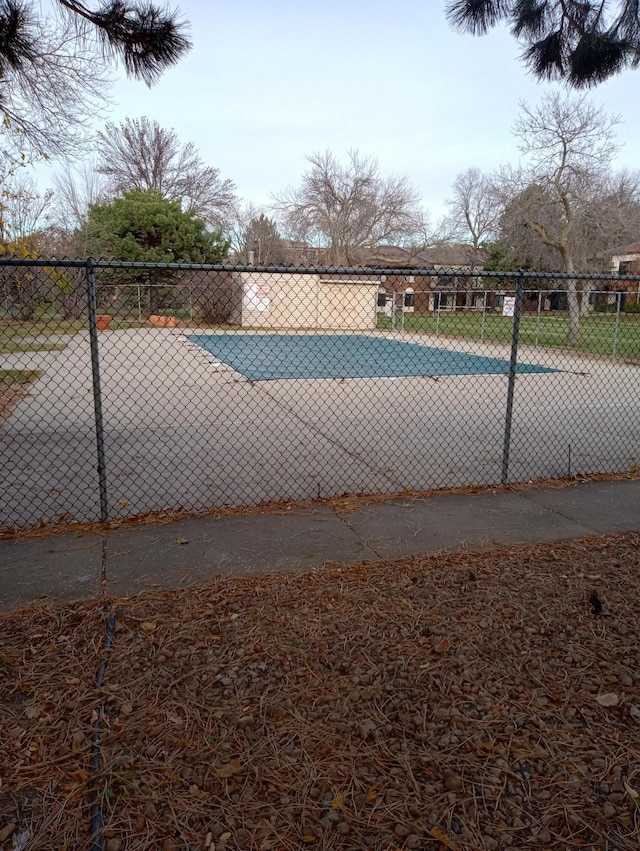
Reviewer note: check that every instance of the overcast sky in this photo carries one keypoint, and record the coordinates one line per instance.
(267, 83)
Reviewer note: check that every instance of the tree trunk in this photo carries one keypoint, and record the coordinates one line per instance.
(586, 309)
(71, 307)
(573, 331)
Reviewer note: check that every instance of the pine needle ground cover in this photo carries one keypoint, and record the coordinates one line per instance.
(479, 700)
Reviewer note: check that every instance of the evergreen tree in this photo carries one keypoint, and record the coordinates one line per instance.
(142, 226)
(580, 42)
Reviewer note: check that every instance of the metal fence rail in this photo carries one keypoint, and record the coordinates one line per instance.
(133, 388)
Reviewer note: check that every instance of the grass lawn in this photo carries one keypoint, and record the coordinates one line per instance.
(9, 377)
(597, 332)
(55, 328)
(13, 386)
(13, 346)
(41, 327)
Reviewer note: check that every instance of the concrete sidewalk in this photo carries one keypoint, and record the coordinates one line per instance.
(150, 557)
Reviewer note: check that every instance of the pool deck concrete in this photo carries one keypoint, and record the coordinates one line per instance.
(185, 432)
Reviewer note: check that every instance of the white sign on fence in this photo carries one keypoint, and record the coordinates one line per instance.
(256, 296)
(509, 305)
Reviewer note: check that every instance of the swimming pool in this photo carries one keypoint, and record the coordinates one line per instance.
(266, 357)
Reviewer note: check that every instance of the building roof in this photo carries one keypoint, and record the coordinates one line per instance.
(442, 256)
(332, 278)
(633, 248)
(396, 257)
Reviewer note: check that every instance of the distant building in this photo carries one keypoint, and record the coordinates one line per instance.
(627, 262)
(291, 300)
(422, 292)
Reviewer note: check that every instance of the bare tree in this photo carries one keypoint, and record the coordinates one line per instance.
(77, 189)
(139, 154)
(349, 208)
(581, 42)
(54, 68)
(519, 202)
(24, 210)
(26, 232)
(256, 239)
(568, 143)
(243, 213)
(606, 217)
(608, 220)
(46, 110)
(474, 211)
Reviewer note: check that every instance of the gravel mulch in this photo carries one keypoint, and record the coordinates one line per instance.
(481, 700)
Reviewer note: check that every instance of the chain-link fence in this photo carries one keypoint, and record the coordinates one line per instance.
(128, 389)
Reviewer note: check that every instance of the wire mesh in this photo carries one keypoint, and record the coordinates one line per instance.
(134, 388)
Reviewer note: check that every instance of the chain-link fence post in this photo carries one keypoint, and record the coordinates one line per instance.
(616, 331)
(538, 318)
(97, 390)
(513, 366)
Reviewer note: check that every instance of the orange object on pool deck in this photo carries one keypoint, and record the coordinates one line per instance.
(102, 321)
(162, 321)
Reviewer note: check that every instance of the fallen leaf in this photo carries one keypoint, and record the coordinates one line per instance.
(609, 699)
(372, 795)
(630, 791)
(442, 645)
(224, 771)
(224, 837)
(148, 626)
(124, 502)
(229, 769)
(442, 837)
(81, 775)
(181, 541)
(634, 712)
(337, 802)
(308, 837)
